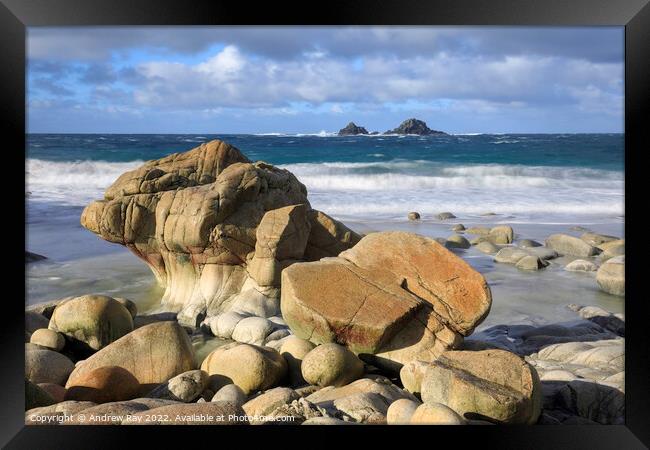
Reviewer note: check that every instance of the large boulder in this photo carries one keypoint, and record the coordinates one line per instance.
(215, 228)
(153, 353)
(565, 244)
(94, 320)
(493, 385)
(389, 310)
(611, 276)
(250, 367)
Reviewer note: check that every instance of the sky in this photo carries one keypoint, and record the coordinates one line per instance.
(311, 79)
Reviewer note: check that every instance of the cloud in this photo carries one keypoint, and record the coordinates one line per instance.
(330, 72)
(598, 44)
(231, 78)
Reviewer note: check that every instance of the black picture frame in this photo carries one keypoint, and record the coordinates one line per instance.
(634, 15)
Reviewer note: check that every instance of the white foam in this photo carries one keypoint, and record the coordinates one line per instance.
(386, 189)
(72, 183)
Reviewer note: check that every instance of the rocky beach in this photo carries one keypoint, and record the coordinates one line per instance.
(235, 292)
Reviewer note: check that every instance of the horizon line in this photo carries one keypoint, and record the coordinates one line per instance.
(329, 133)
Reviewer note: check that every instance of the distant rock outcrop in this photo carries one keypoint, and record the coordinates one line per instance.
(352, 129)
(414, 126)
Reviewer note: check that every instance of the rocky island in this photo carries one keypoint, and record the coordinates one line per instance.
(352, 129)
(415, 126)
(274, 312)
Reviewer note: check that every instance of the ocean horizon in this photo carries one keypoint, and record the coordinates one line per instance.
(383, 176)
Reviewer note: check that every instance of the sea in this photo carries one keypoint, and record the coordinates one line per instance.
(538, 183)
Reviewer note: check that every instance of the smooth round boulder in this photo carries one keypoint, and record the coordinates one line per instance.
(48, 338)
(185, 387)
(294, 350)
(331, 365)
(252, 330)
(46, 366)
(94, 320)
(570, 245)
(458, 228)
(153, 353)
(510, 255)
(103, 385)
(495, 385)
(457, 241)
(611, 276)
(251, 367)
(531, 263)
(581, 265)
(436, 414)
(224, 324)
(400, 411)
(230, 393)
(414, 215)
(487, 247)
(502, 234)
(445, 216)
